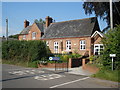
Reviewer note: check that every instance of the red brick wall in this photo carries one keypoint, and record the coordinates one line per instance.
(52, 65)
(97, 39)
(34, 28)
(75, 44)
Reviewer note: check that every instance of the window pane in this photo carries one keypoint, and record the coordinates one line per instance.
(69, 42)
(96, 46)
(101, 46)
(69, 47)
(83, 46)
(83, 41)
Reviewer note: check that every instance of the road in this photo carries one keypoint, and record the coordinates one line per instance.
(21, 77)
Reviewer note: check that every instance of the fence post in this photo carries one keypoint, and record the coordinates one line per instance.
(83, 63)
(70, 63)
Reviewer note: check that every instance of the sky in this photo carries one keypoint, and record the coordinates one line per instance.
(17, 12)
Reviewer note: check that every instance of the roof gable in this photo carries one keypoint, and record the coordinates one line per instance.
(40, 26)
(27, 29)
(97, 33)
(72, 28)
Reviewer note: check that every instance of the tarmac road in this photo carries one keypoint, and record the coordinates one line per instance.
(21, 77)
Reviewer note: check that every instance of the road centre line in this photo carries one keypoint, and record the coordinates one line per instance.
(69, 82)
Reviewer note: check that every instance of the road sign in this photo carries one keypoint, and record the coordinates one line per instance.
(50, 58)
(54, 58)
(112, 55)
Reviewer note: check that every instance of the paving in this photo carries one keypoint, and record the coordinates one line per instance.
(76, 71)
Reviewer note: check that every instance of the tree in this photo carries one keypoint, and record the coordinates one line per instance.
(14, 36)
(102, 10)
(111, 46)
(39, 21)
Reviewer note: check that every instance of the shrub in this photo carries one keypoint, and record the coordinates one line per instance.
(111, 46)
(28, 51)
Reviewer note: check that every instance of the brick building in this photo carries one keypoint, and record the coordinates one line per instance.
(82, 36)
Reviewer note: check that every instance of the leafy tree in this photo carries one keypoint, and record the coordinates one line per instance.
(14, 36)
(36, 21)
(102, 10)
(42, 21)
(39, 21)
(111, 46)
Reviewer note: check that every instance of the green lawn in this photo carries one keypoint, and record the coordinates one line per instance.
(108, 75)
(20, 63)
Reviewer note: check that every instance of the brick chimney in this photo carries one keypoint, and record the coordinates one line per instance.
(48, 21)
(26, 23)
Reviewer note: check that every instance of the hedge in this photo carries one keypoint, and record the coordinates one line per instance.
(24, 50)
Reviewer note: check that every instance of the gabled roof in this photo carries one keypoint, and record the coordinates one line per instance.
(72, 28)
(40, 26)
(97, 33)
(27, 29)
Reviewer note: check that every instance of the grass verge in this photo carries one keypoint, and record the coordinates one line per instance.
(20, 63)
(108, 75)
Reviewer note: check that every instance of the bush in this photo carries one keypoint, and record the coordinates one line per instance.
(26, 51)
(108, 75)
(111, 46)
(74, 55)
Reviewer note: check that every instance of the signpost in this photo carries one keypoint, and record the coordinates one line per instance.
(112, 55)
(54, 59)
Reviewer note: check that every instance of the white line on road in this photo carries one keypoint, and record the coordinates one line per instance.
(69, 82)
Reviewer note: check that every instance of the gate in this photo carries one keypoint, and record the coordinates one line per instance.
(61, 65)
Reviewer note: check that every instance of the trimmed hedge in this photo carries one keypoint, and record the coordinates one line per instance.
(27, 51)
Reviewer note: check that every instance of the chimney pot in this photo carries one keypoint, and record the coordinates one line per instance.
(48, 21)
(26, 23)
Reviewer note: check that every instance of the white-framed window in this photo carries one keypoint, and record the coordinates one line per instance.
(56, 47)
(34, 35)
(82, 45)
(98, 48)
(47, 43)
(68, 45)
(24, 37)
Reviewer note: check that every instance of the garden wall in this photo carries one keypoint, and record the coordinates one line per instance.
(52, 65)
(88, 67)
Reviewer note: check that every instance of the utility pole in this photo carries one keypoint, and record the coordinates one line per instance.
(111, 15)
(6, 29)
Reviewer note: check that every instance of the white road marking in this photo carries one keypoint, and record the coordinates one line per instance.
(69, 82)
(48, 77)
(23, 72)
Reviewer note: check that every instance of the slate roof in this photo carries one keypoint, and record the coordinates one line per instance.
(72, 28)
(27, 29)
(40, 26)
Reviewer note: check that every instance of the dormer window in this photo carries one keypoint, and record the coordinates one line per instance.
(34, 35)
